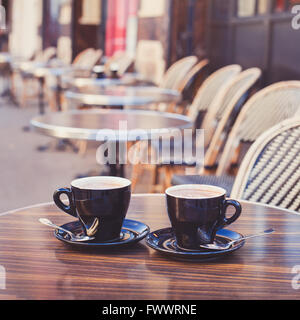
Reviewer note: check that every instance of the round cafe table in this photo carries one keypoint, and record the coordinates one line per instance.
(67, 78)
(35, 265)
(119, 96)
(84, 83)
(38, 70)
(91, 125)
(41, 71)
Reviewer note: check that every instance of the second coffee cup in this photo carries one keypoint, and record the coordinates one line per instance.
(100, 204)
(197, 212)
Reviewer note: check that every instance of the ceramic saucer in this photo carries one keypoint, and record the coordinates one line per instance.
(164, 242)
(132, 232)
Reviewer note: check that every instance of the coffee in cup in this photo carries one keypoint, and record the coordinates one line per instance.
(100, 204)
(197, 212)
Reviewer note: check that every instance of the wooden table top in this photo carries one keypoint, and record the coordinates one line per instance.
(35, 265)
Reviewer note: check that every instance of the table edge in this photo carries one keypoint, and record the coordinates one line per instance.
(137, 195)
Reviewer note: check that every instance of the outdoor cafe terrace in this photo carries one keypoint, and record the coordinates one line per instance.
(149, 151)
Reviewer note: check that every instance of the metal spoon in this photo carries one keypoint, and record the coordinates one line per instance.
(221, 246)
(74, 237)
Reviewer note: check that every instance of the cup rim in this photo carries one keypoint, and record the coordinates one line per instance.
(124, 181)
(192, 186)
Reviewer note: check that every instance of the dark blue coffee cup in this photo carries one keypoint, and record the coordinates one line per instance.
(197, 212)
(100, 204)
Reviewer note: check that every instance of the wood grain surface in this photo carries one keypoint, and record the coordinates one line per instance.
(35, 265)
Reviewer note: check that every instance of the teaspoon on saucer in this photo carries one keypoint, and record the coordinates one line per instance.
(74, 237)
(221, 246)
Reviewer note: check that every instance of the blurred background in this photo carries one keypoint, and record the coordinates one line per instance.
(158, 33)
(154, 34)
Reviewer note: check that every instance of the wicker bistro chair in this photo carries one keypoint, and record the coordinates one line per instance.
(201, 103)
(82, 65)
(263, 110)
(46, 55)
(210, 88)
(270, 171)
(177, 73)
(224, 110)
(185, 87)
(87, 59)
(121, 62)
(82, 56)
(174, 77)
(198, 68)
(27, 80)
(220, 115)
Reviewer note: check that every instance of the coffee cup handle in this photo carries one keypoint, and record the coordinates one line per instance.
(70, 209)
(238, 211)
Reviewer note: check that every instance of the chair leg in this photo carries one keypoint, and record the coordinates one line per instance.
(135, 174)
(155, 179)
(236, 154)
(23, 94)
(171, 107)
(137, 167)
(63, 103)
(82, 147)
(13, 84)
(168, 177)
(52, 102)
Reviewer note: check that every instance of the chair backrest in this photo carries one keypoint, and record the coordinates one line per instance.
(49, 54)
(124, 63)
(223, 111)
(185, 87)
(83, 57)
(270, 171)
(262, 111)
(210, 88)
(177, 72)
(92, 59)
(192, 73)
(46, 55)
(122, 60)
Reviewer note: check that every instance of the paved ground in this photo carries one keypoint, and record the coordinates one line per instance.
(28, 176)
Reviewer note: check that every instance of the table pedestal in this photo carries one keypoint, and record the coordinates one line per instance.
(7, 85)
(113, 166)
(117, 170)
(41, 95)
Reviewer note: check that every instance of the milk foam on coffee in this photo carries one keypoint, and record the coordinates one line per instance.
(100, 183)
(195, 191)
